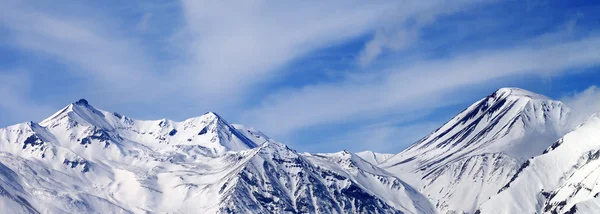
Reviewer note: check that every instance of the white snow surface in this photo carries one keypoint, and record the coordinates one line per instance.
(86, 160)
(374, 157)
(565, 178)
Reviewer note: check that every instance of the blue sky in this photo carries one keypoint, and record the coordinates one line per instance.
(321, 76)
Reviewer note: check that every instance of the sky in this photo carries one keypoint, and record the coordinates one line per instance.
(320, 76)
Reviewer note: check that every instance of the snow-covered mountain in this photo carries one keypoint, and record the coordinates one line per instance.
(86, 160)
(510, 152)
(468, 159)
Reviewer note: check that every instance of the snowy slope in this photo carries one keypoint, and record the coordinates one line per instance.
(86, 160)
(566, 178)
(477, 152)
(278, 180)
(374, 157)
(374, 180)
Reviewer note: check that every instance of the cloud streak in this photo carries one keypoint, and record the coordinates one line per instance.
(91, 51)
(408, 21)
(237, 47)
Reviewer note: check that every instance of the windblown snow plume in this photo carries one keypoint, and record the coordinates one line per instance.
(584, 105)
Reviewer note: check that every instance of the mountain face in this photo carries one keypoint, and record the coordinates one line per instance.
(86, 160)
(472, 156)
(564, 179)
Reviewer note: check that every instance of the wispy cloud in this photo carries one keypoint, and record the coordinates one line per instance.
(90, 47)
(233, 48)
(406, 24)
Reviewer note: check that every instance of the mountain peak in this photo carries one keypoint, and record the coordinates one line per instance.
(485, 144)
(212, 115)
(82, 102)
(486, 126)
(79, 112)
(516, 92)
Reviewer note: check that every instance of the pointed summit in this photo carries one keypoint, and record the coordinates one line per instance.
(212, 114)
(490, 125)
(516, 92)
(209, 130)
(79, 112)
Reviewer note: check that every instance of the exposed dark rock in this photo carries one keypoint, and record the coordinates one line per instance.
(203, 131)
(32, 141)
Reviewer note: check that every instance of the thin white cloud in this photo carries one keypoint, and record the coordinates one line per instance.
(91, 49)
(237, 46)
(394, 41)
(408, 20)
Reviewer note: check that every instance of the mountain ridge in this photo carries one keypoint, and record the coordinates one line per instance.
(83, 159)
(90, 160)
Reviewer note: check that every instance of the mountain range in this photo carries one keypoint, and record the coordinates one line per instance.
(513, 151)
